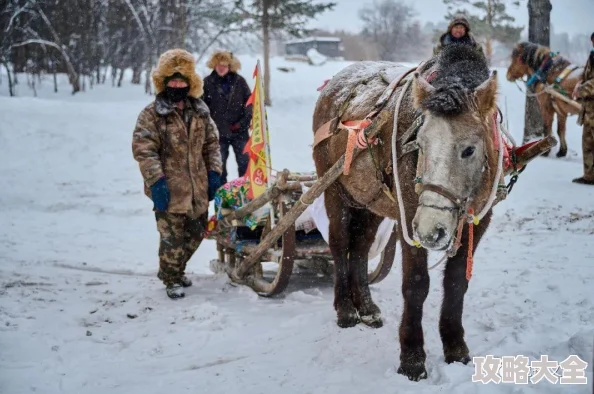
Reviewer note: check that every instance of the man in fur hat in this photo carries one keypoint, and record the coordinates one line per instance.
(458, 33)
(176, 144)
(584, 93)
(225, 93)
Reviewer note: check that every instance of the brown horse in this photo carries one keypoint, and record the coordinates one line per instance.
(460, 167)
(526, 59)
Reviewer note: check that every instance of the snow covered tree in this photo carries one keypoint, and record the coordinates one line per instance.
(268, 16)
(84, 38)
(34, 30)
(489, 20)
(389, 25)
(15, 19)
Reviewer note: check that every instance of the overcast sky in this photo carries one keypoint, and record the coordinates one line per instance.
(571, 16)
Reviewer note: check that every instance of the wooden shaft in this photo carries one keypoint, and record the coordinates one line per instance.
(258, 202)
(533, 151)
(255, 204)
(288, 220)
(306, 199)
(302, 178)
(294, 186)
(558, 95)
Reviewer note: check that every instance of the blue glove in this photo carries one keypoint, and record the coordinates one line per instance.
(214, 182)
(160, 194)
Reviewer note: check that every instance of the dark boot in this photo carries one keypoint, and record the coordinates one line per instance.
(186, 282)
(175, 291)
(583, 181)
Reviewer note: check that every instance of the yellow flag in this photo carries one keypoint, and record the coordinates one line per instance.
(258, 146)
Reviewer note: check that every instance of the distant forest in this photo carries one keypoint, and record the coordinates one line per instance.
(94, 41)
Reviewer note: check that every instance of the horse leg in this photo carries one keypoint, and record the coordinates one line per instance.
(455, 286)
(363, 229)
(415, 287)
(548, 115)
(339, 218)
(561, 128)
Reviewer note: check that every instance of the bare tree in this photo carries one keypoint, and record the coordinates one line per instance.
(270, 16)
(390, 26)
(85, 38)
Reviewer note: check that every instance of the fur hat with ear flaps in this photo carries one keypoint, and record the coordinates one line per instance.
(459, 20)
(227, 57)
(177, 61)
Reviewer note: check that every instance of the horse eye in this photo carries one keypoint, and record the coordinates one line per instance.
(468, 152)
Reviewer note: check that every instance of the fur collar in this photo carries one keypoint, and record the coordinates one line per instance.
(164, 107)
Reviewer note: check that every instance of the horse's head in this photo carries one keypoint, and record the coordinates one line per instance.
(524, 60)
(456, 146)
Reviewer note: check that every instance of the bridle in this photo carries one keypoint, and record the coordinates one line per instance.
(459, 203)
(462, 206)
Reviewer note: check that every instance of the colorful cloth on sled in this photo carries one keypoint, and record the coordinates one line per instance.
(232, 195)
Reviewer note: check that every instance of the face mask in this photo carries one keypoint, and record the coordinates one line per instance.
(177, 94)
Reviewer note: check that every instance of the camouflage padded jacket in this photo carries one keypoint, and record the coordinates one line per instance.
(586, 89)
(181, 147)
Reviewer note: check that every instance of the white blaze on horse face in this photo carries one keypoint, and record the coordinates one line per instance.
(436, 218)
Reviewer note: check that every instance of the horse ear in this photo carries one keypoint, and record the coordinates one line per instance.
(486, 94)
(421, 89)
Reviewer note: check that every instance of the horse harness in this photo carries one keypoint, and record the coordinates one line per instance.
(359, 131)
(548, 63)
(358, 135)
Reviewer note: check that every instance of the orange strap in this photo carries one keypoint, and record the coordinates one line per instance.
(469, 259)
(356, 139)
(322, 133)
(350, 150)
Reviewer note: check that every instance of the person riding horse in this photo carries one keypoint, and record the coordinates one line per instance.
(458, 33)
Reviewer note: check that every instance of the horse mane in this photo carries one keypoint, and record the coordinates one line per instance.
(460, 70)
(533, 55)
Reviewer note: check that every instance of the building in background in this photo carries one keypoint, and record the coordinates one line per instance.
(330, 47)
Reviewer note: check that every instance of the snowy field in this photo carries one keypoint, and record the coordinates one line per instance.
(82, 312)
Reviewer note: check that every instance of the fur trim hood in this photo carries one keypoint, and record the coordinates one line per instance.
(178, 61)
(224, 56)
(459, 20)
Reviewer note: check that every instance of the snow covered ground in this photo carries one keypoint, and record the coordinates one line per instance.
(81, 310)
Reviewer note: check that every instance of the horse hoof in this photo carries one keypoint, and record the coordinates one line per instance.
(457, 359)
(414, 372)
(545, 154)
(348, 320)
(373, 321)
(562, 153)
(456, 352)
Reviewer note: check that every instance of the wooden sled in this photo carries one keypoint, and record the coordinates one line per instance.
(291, 246)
